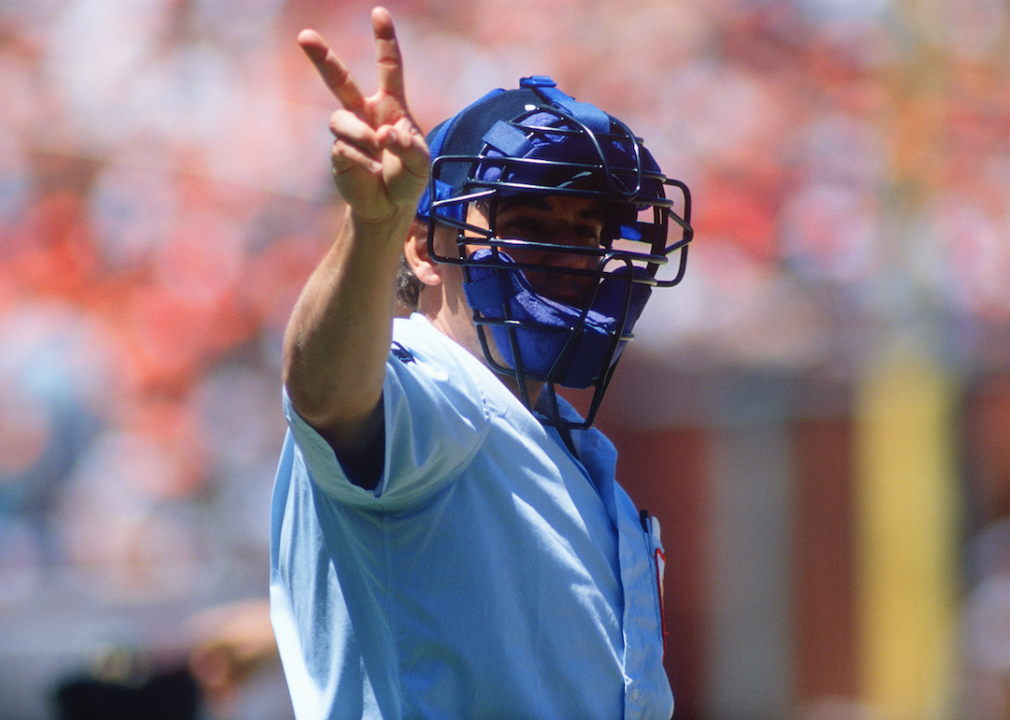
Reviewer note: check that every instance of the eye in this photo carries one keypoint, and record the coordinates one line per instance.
(589, 233)
(521, 227)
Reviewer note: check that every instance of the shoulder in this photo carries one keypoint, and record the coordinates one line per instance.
(425, 359)
(415, 339)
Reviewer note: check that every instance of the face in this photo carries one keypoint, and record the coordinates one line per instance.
(559, 220)
(567, 222)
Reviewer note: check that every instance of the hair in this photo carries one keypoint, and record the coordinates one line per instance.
(408, 287)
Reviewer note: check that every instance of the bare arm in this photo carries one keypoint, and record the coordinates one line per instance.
(338, 337)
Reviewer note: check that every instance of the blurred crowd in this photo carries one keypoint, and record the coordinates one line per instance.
(164, 193)
(164, 196)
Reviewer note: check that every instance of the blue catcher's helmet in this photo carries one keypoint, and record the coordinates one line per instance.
(538, 141)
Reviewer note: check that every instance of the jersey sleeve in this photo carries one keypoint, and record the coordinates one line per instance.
(435, 420)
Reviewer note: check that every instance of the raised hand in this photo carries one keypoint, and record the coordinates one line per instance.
(379, 156)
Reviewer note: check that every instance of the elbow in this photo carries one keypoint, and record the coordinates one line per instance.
(307, 391)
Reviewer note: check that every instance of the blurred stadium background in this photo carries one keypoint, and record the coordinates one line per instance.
(820, 414)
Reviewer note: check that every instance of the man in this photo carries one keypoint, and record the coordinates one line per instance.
(448, 539)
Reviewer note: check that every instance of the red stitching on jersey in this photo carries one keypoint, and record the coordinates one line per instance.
(661, 557)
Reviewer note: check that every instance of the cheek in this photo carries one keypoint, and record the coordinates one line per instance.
(556, 284)
(553, 259)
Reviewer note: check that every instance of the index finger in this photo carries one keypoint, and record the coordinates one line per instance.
(334, 73)
(389, 63)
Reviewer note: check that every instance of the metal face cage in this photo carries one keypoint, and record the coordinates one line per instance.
(548, 151)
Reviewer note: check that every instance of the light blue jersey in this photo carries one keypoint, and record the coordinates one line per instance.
(489, 575)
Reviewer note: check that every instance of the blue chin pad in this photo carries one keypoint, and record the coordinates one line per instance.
(545, 326)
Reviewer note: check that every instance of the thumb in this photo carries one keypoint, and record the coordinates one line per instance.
(405, 141)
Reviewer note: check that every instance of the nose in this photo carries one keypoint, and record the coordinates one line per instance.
(574, 248)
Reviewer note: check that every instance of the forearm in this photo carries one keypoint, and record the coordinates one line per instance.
(337, 340)
(338, 337)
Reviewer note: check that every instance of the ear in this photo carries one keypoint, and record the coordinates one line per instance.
(415, 250)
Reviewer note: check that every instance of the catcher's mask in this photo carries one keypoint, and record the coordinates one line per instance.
(526, 146)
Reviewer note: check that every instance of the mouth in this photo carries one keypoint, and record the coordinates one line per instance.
(565, 289)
